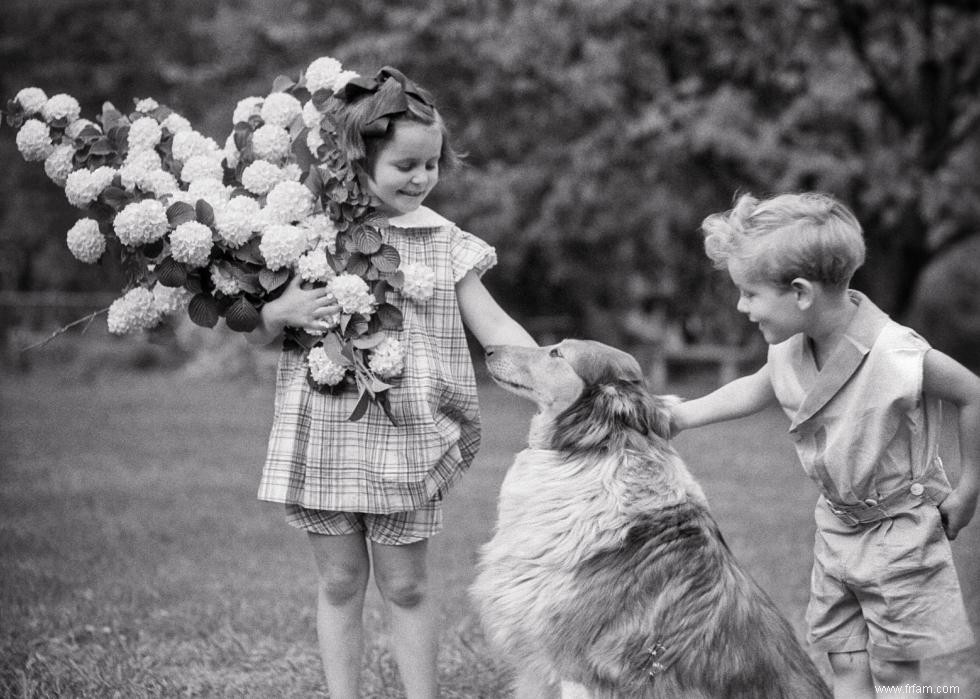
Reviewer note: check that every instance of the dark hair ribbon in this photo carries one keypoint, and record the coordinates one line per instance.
(391, 104)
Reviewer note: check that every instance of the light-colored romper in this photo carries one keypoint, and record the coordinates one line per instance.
(883, 578)
(319, 460)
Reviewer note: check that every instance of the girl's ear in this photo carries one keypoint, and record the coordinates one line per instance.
(804, 291)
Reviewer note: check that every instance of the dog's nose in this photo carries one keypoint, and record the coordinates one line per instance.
(489, 351)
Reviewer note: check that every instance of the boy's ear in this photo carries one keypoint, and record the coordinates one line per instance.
(803, 288)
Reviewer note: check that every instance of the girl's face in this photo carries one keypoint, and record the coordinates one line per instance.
(406, 168)
(775, 309)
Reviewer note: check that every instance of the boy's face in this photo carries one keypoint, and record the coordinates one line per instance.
(406, 168)
(775, 309)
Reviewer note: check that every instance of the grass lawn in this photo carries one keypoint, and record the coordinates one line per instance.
(136, 560)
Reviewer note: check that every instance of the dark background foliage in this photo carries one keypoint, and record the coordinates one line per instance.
(599, 133)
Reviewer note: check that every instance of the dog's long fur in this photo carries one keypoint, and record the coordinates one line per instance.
(606, 568)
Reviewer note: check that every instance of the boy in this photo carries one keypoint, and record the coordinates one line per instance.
(863, 394)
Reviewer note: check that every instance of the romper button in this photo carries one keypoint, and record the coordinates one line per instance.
(917, 489)
(870, 502)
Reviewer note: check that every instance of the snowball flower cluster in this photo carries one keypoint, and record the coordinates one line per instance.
(419, 281)
(34, 140)
(235, 220)
(168, 300)
(60, 163)
(85, 240)
(261, 176)
(82, 187)
(321, 74)
(313, 267)
(271, 142)
(320, 230)
(352, 294)
(223, 282)
(281, 245)
(136, 310)
(31, 99)
(324, 370)
(141, 222)
(246, 109)
(387, 359)
(146, 105)
(61, 108)
(199, 167)
(280, 109)
(188, 143)
(144, 134)
(288, 202)
(191, 244)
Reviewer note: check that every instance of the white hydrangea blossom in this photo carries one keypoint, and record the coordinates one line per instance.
(60, 163)
(160, 182)
(235, 220)
(168, 300)
(82, 187)
(31, 99)
(292, 172)
(271, 142)
(136, 310)
(144, 135)
(313, 266)
(85, 240)
(311, 116)
(246, 109)
(224, 283)
(387, 359)
(199, 167)
(61, 106)
(419, 281)
(324, 370)
(34, 140)
(146, 105)
(141, 222)
(210, 190)
(231, 151)
(282, 245)
(352, 294)
(190, 143)
(314, 140)
(280, 109)
(261, 176)
(345, 77)
(191, 243)
(321, 73)
(288, 202)
(175, 123)
(320, 230)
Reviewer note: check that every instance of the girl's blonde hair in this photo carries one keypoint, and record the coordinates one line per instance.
(357, 131)
(810, 235)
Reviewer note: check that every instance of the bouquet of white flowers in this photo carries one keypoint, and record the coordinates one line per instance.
(219, 231)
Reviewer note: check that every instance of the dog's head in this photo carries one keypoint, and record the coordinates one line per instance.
(588, 394)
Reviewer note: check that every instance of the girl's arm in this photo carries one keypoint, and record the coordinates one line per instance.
(296, 307)
(947, 379)
(741, 397)
(488, 322)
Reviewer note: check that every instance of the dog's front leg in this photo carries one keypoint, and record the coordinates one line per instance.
(573, 690)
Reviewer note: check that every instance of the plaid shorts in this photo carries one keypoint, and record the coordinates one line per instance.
(394, 529)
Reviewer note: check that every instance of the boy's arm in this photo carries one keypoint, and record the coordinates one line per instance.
(484, 317)
(947, 379)
(741, 397)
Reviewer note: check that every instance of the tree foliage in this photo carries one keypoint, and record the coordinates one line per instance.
(599, 132)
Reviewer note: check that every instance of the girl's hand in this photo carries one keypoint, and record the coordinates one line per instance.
(310, 309)
(957, 510)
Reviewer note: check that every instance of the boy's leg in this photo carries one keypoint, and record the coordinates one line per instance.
(344, 566)
(899, 673)
(852, 675)
(401, 575)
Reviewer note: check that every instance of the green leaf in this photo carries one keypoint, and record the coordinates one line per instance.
(366, 342)
(180, 212)
(204, 213)
(242, 316)
(362, 405)
(358, 264)
(203, 310)
(386, 259)
(382, 400)
(366, 238)
(271, 280)
(282, 83)
(170, 272)
(102, 147)
(390, 316)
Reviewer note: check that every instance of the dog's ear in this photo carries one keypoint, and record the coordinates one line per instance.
(610, 410)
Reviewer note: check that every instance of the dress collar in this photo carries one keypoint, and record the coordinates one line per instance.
(422, 217)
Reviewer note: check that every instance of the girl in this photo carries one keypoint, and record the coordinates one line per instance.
(369, 490)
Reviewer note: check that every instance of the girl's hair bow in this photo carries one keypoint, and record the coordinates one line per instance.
(391, 90)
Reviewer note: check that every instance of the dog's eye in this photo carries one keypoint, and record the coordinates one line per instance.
(555, 353)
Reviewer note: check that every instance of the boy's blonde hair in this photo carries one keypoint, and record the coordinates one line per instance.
(811, 235)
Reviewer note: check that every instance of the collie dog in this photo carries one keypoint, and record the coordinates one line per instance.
(607, 575)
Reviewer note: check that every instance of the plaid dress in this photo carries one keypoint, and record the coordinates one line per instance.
(319, 460)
